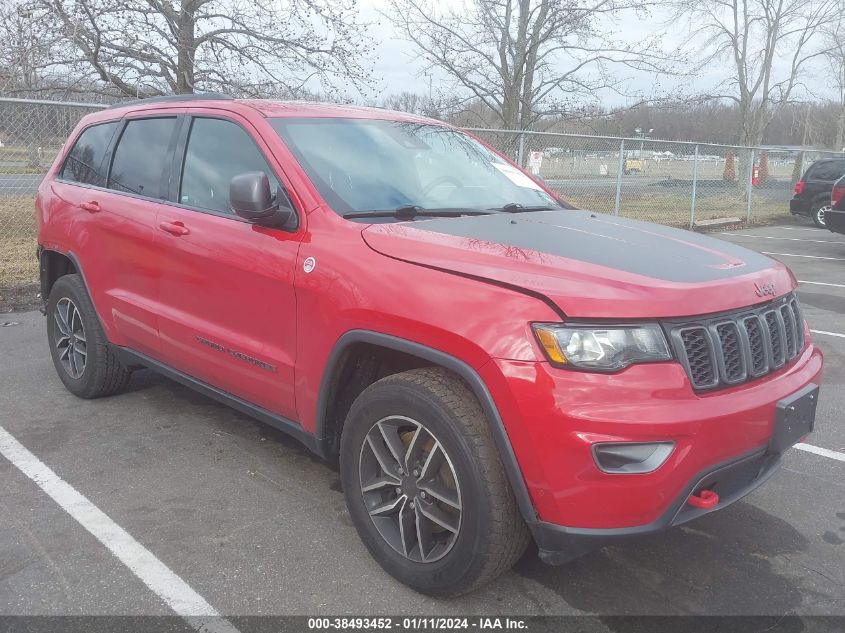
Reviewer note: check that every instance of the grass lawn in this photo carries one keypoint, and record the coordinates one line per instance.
(673, 207)
(18, 265)
(16, 159)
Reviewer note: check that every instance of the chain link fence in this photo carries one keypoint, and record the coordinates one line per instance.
(682, 184)
(31, 134)
(678, 183)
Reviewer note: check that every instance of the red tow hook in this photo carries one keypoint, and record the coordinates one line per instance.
(705, 499)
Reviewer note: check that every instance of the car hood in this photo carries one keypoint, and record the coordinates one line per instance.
(591, 265)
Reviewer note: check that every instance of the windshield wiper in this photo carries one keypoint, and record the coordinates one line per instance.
(410, 211)
(515, 207)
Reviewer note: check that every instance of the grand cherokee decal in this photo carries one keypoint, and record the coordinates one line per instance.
(236, 354)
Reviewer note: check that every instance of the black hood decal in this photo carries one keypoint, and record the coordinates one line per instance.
(641, 248)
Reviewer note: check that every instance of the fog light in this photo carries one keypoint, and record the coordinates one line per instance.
(631, 457)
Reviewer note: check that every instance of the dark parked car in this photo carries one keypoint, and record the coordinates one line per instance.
(812, 192)
(835, 217)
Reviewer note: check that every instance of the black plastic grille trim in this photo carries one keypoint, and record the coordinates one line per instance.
(757, 344)
(698, 349)
(739, 346)
(730, 346)
(775, 328)
(799, 320)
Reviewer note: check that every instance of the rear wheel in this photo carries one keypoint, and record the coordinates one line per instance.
(424, 484)
(81, 354)
(818, 213)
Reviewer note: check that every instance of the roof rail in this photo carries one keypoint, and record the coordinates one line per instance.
(201, 96)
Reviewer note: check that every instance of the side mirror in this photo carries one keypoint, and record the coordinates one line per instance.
(250, 198)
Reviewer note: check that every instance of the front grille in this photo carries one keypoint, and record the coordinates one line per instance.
(733, 348)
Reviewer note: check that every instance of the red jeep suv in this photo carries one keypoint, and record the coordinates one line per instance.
(488, 364)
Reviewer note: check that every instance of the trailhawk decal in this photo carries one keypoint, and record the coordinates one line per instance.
(236, 354)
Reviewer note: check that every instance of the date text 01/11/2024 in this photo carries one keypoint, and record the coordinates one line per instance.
(417, 623)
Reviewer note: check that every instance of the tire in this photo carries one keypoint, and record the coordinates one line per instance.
(434, 417)
(818, 213)
(81, 354)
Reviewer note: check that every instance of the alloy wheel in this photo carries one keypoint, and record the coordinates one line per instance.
(410, 489)
(70, 338)
(820, 213)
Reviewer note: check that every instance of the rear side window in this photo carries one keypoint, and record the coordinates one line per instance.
(218, 151)
(829, 170)
(84, 163)
(141, 157)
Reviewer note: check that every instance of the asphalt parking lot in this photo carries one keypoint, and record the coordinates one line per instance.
(255, 525)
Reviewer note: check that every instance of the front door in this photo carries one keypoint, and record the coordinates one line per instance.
(228, 307)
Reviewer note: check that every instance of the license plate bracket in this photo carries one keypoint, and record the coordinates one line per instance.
(795, 417)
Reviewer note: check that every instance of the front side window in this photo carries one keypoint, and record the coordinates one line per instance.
(375, 165)
(84, 163)
(142, 156)
(218, 151)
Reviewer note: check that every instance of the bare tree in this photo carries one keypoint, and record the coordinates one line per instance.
(524, 58)
(769, 44)
(248, 47)
(406, 102)
(835, 57)
(26, 51)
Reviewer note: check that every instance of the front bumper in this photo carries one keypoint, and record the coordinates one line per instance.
(554, 416)
(731, 481)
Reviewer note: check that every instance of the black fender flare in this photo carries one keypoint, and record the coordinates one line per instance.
(456, 365)
(42, 268)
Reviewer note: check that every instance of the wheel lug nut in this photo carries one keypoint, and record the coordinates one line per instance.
(412, 504)
(416, 473)
(400, 471)
(422, 495)
(398, 490)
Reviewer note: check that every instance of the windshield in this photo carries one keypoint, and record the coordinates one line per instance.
(375, 165)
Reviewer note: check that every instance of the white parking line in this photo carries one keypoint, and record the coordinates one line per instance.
(789, 239)
(821, 283)
(828, 333)
(797, 228)
(835, 259)
(824, 452)
(184, 601)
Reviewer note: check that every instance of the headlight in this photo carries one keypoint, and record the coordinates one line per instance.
(603, 348)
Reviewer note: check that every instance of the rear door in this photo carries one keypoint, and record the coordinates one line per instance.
(116, 193)
(228, 307)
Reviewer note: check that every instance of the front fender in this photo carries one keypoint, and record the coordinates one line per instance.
(442, 359)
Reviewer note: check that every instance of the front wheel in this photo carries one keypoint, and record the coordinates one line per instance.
(425, 486)
(818, 214)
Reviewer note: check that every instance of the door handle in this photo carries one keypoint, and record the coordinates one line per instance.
(91, 207)
(174, 228)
